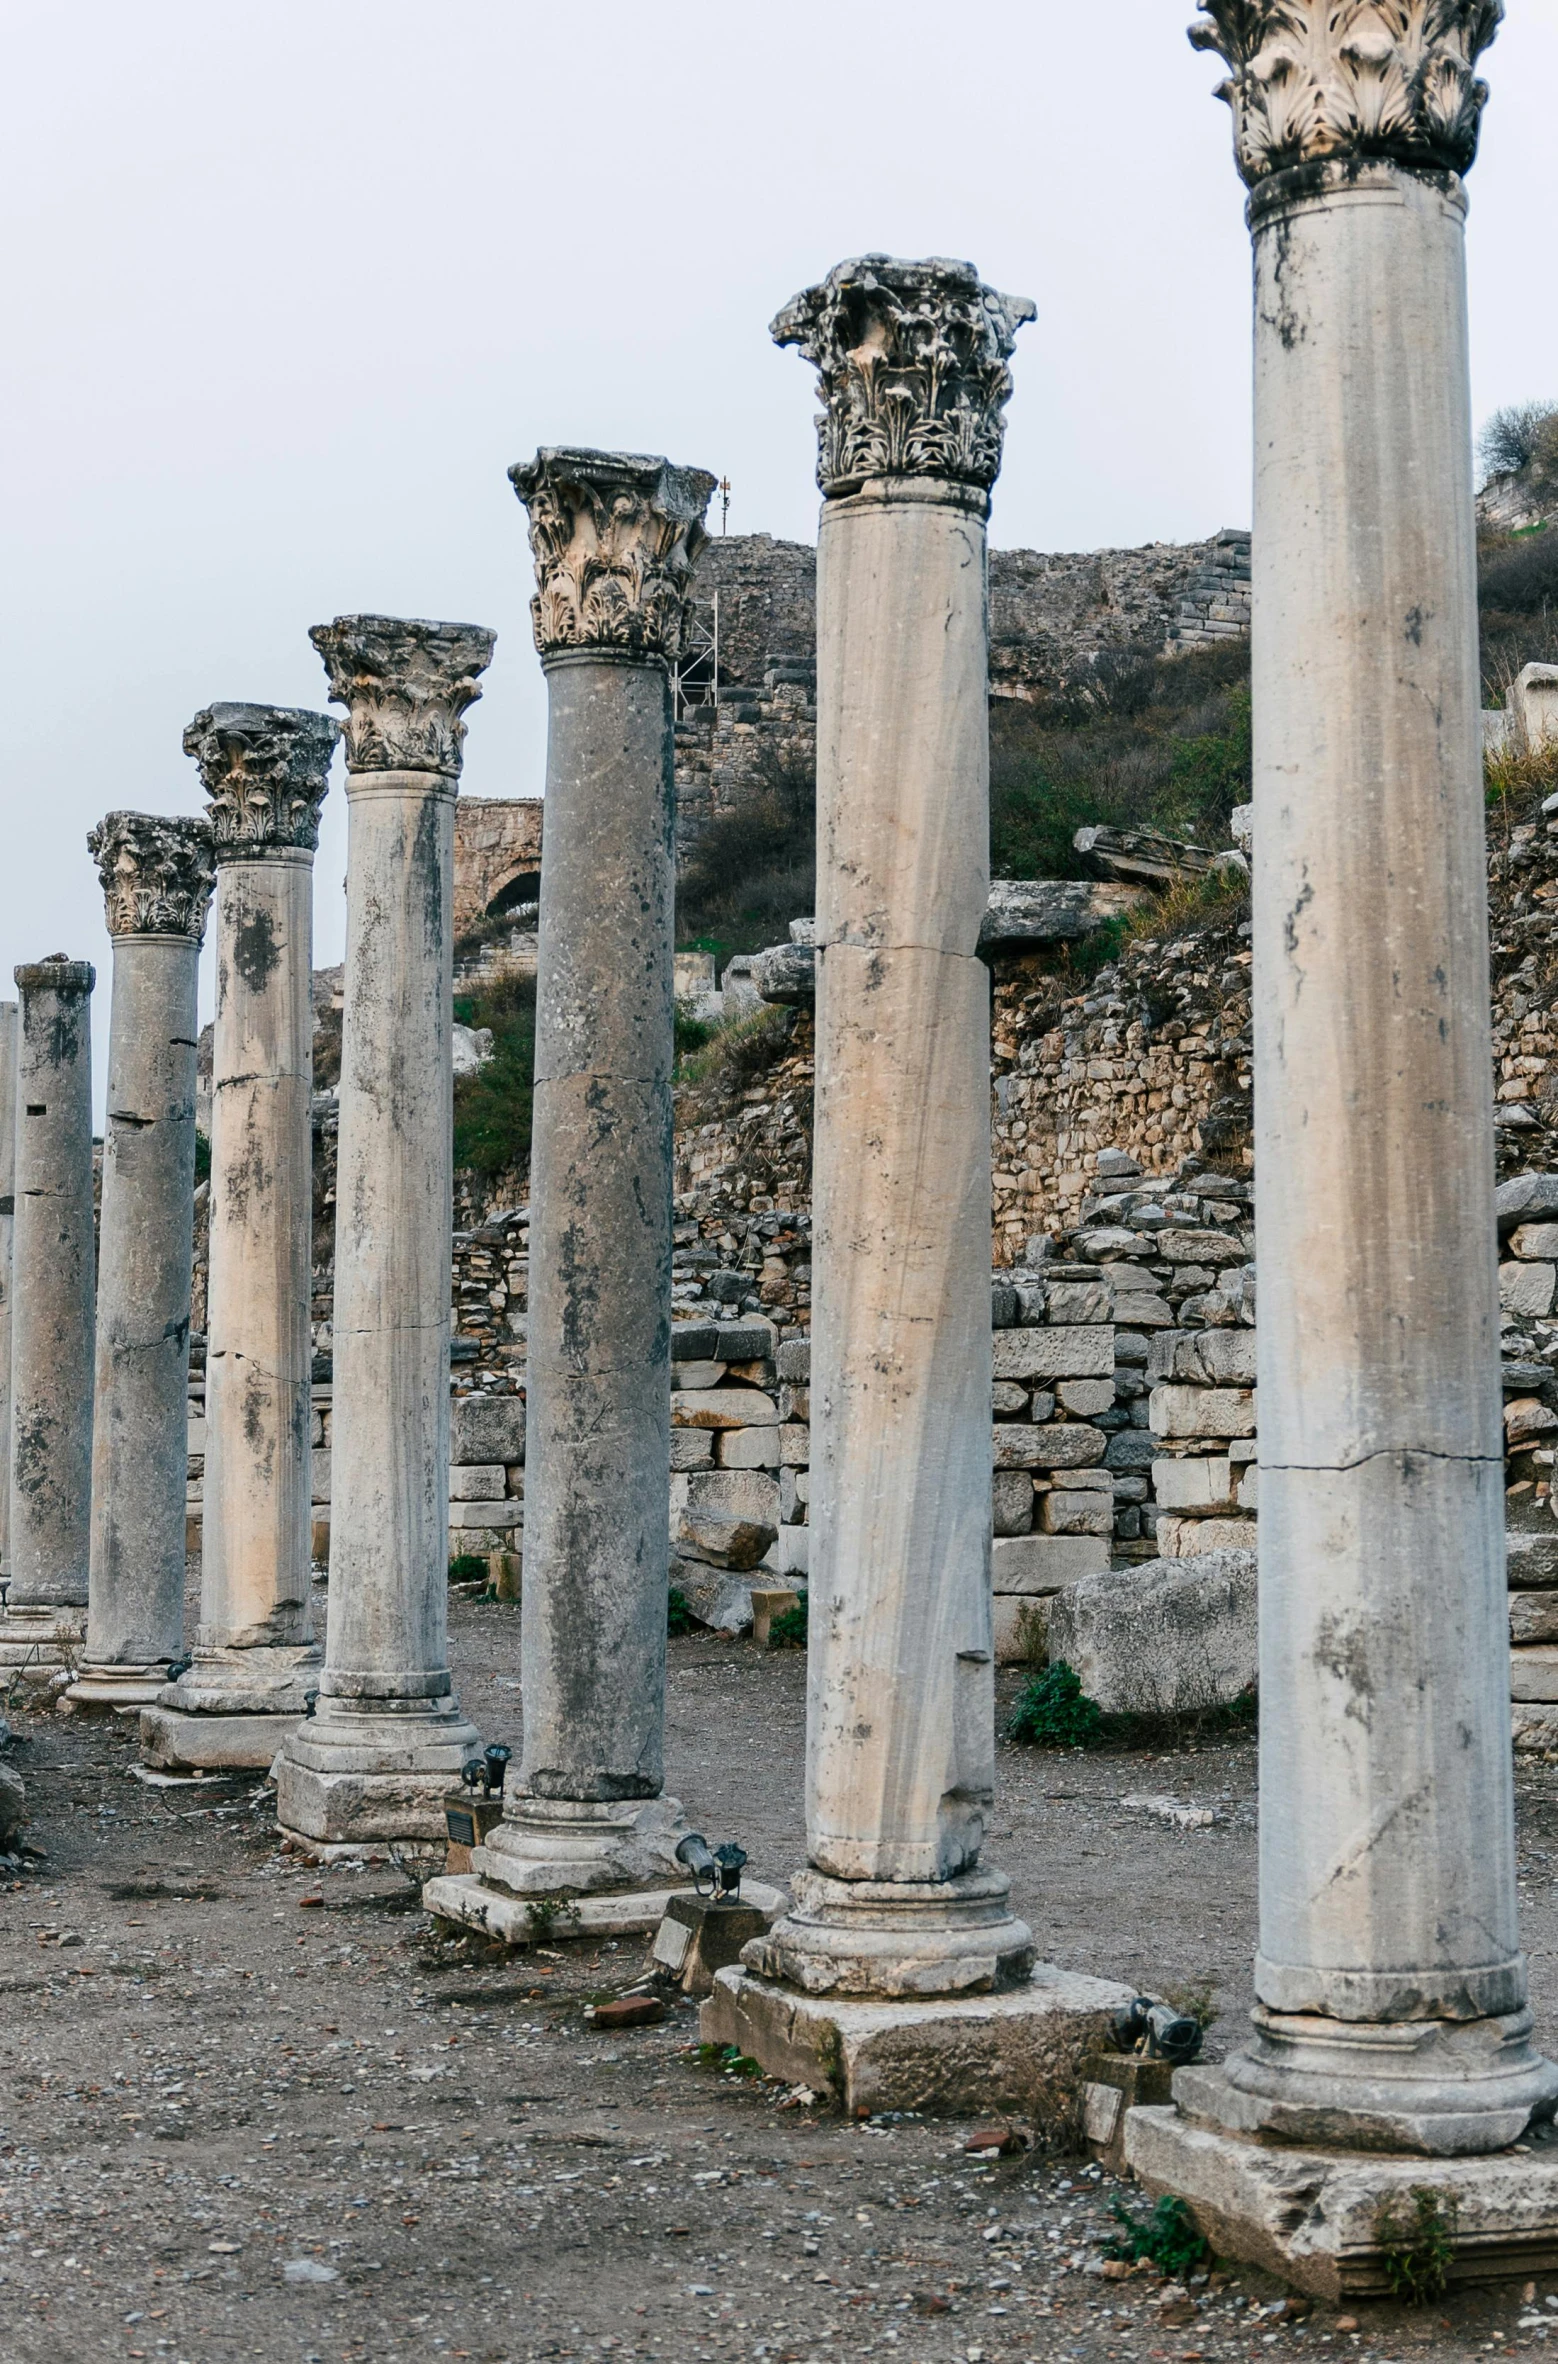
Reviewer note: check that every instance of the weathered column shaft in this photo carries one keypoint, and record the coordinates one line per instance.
(388, 1738)
(52, 1297)
(157, 876)
(900, 1697)
(598, 1407)
(265, 770)
(8, 1046)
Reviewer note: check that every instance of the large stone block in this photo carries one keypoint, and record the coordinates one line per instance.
(1533, 1561)
(1312, 2217)
(1167, 1637)
(1015, 1445)
(487, 1428)
(737, 1493)
(1202, 1411)
(1532, 1242)
(1076, 1351)
(723, 1407)
(792, 1361)
(1527, 1289)
(1011, 1500)
(173, 1742)
(1019, 1628)
(1185, 1539)
(469, 1481)
(748, 1448)
(1043, 1563)
(1194, 1481)
(1199, 1247)
(1215, 1358)
(1533, 1674)
(1064, 1513)
(722, 1541)
(1533, 1617)
(692, 1448)
(1526, 1198)
(490, 1515)
(1020, 2051)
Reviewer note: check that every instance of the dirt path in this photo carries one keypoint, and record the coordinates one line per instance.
(252, 2110)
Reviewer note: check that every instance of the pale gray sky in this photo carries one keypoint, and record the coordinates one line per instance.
(288, 286)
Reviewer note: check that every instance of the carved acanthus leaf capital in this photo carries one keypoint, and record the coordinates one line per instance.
(265, 770)
(614, 535)
(913, 361)
(1313, 79)
(405, 684)
(157, 872)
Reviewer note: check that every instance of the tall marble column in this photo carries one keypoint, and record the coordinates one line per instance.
(388, 1739)
(8, 1048)
(51, 1316)
(265, 771)
(614, 535)
(157, 876)
(1391, 2012)
(896, 1901)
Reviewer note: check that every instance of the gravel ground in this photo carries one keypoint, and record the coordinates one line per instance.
(254, 2110)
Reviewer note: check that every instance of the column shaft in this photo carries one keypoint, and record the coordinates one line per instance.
(597, 1507)
(52, 1304)
(8, 1049)
(389, 1538)
(256, 1567)
(900, 1710)
(140, 1421)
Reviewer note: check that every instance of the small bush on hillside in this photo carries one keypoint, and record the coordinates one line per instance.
(789, 1629)
(467, 1567)
(1517, 435)
(492, 1108)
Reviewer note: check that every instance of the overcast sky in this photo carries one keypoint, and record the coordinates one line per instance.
(288, 286)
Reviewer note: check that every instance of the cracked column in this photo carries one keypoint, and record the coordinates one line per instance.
(614, 535)
(372, 1766)
(265, 771)
(1391, 1991)
(8, 1047)
(896, 1906)
(51, 1316)
(157, 876)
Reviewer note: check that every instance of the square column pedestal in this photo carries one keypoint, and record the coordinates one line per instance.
(1320, 2219)
(944, 2055)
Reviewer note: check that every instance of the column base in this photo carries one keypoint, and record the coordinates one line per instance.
(1319, 2219)
(547, 1919)
(41, 1636)
(1444, 2088)
(1022, 2050)
(584, 1846)
(270, 1679)
(877, 1938)
(119, 1689)
(375, 1773)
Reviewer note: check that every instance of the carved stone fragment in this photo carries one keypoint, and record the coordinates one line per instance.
(913, 360)
(405, 684)
(157, 870)
(614, 535)
(1313, 79)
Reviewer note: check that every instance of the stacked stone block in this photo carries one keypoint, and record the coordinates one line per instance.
(735, 1441)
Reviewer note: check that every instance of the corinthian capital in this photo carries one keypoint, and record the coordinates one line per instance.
(1313, 79)
(265, 770)
(157, 873)
(404, 684)
(614, 535)
(912, 358)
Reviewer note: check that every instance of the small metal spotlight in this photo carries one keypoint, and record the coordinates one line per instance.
(496, 1759)
(716, 1871)
(1160, 2030)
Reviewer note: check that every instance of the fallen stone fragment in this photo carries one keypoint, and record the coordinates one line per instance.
(1169, 1637)
(630, 2011)
(1171, 1811)
(722, 1541)
(997, 2136)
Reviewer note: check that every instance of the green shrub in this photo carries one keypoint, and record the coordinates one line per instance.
(1417, 2244)
(789, 1629)
(1055, 1712)
(492, 1108)
(678, 1613)
(1167, 2237)
(691, 1033)
(202, 1156)
(467, 1567)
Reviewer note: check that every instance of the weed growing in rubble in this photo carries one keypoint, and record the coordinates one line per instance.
(788, 1630)
(467, 1567)
(1417, 2244)
(678, 1613)
(1055, 1712)
(1168, 2237)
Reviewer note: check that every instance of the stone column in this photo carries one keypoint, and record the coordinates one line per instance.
(896, 1901)
(614, 535)
(8, 1047)
(51, 1316)
(157, 876)
(1391, 2012)
(373, 1765)
(265, 770)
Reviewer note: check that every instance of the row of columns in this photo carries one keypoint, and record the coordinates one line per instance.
(1392, 1993)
